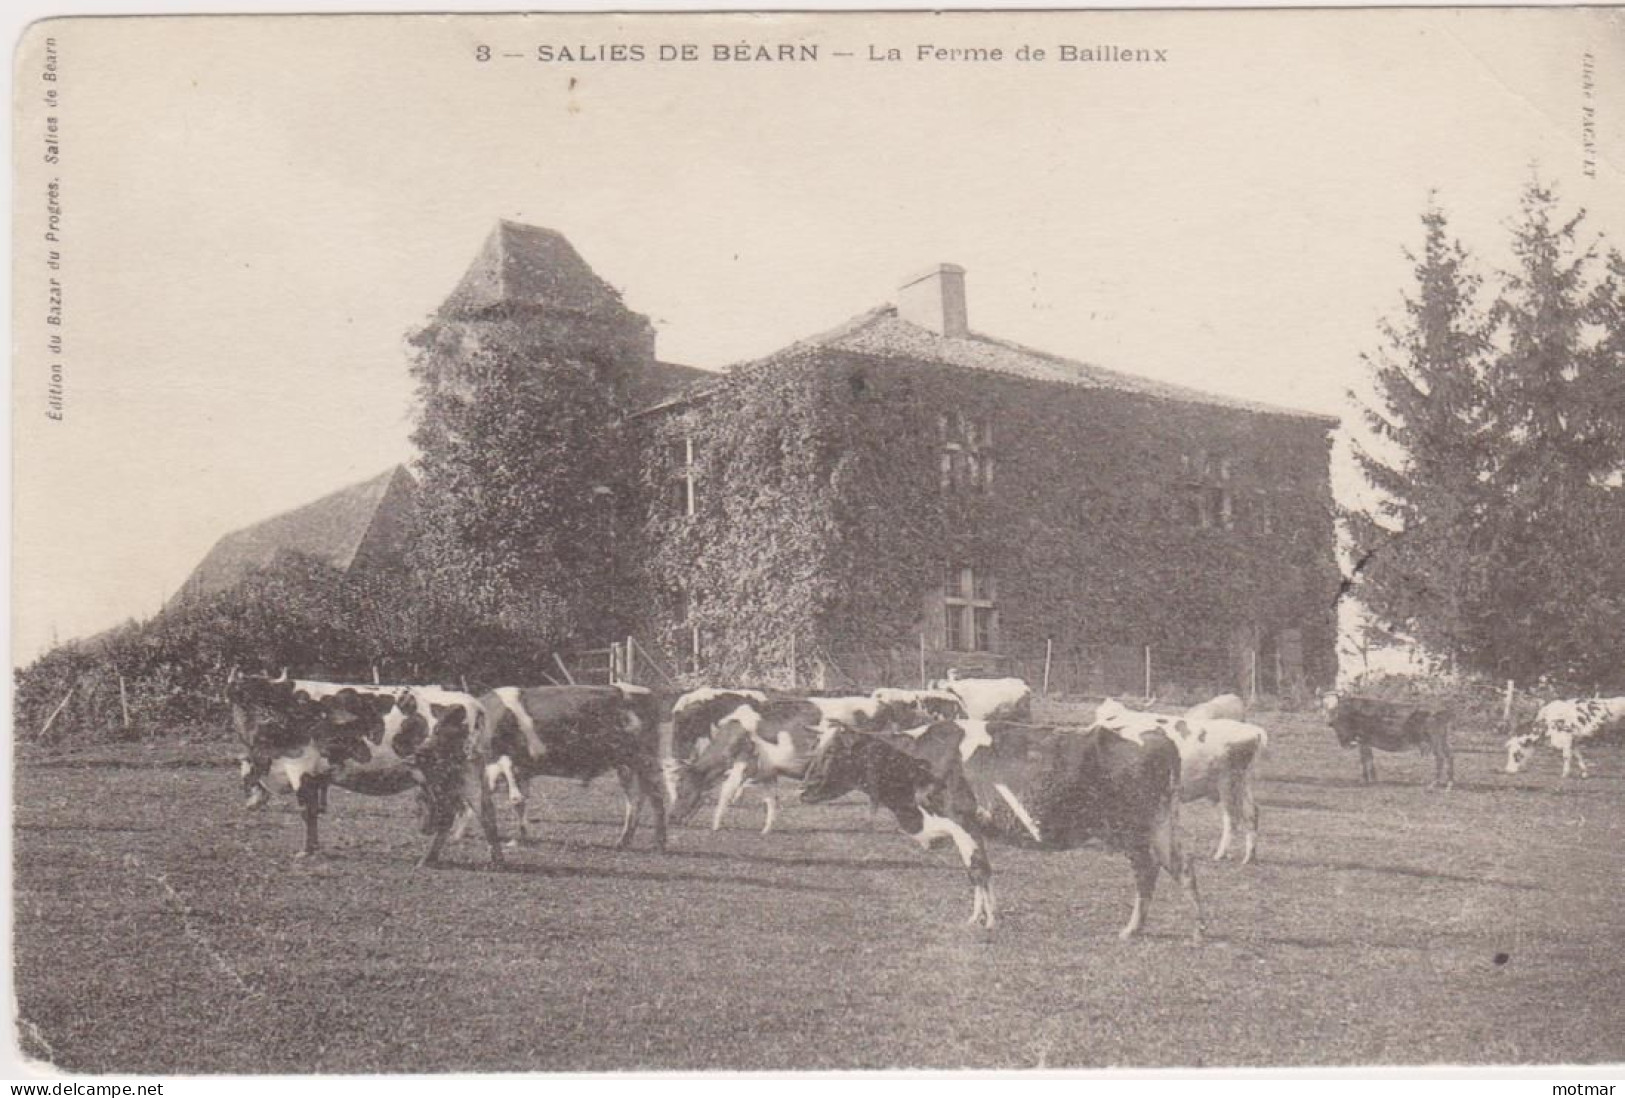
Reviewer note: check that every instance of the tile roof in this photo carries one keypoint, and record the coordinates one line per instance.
(529, 265)
(881, 332)
(340, 528)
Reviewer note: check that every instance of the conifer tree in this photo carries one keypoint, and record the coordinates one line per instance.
(1429, 450)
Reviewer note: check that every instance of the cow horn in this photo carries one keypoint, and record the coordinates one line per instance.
(283, 677)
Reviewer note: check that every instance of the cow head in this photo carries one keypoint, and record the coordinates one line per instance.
(837, 769)
(688, 780)
(269, 720)
(1519, 748)
(441, 763)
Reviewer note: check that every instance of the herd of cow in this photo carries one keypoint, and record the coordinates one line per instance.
(955, 761)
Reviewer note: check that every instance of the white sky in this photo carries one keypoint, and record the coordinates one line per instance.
(258, 210)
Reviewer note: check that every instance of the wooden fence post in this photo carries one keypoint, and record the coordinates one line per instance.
(1147, 671)
(1252, 675)
(61, 705)
(123, 703)
(793, 679)
(923, 680)
(1506, 708)
(1049, 648)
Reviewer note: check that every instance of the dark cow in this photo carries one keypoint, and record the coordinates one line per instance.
(377, 741)
(579, 732)
(1053, 789)
(1369, 723)
(735, 737)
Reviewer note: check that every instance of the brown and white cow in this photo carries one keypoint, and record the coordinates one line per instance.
(1224, 707)
(305, 736)
(1007, 699)
(1217, 758)
(735, 738)
(579, 732)
(1565, 725)
(1376, 723)
(1053, 789)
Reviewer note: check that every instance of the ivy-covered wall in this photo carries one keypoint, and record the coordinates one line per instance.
(820, 514)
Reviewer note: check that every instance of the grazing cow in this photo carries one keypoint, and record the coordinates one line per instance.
(373, 740)
(1225, 707)
(737, 738)
(1565, 725)
(990, 699)
(1053, 789)
(1369, 723)
(1216, 761)
(581, 732)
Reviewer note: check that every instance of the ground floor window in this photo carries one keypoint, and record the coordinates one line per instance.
(970, 610)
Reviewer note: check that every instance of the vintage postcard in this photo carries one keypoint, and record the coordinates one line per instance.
(695, 543)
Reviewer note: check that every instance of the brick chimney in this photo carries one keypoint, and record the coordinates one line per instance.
(935, 300)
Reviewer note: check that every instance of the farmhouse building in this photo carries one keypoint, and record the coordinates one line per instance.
(904, 494)
(946, 498)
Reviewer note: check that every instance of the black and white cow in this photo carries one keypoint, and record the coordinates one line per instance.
(1565, 725)
(1217, 757)
(733, 738)
(578, 732)
(1053, 789)
(1368, 723)
(304, 736)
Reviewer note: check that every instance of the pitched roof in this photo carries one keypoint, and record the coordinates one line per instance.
(529, 265)
(363, 524)
(657, 383)
(882, 332)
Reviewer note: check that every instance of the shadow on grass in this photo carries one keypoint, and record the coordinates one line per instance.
(807, 861)
(130, 828)
(1405, 871)
(554, 870)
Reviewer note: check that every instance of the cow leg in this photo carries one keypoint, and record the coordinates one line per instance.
(1226, 811)
(770, 798)
(632, 792)
(1163, 851)
(310, 803)
(731, 787)
(653, 788)
(1145, 883)
(1444, 764)
(1368, 765)
(1249, 817)
(1581, 760)
(972, 852)
(519, 800)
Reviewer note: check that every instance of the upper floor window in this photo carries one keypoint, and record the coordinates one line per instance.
(970, 609)
(1205, 498)
(966, 448)
(684, 475)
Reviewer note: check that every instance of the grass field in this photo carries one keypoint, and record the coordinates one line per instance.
(161, 929)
